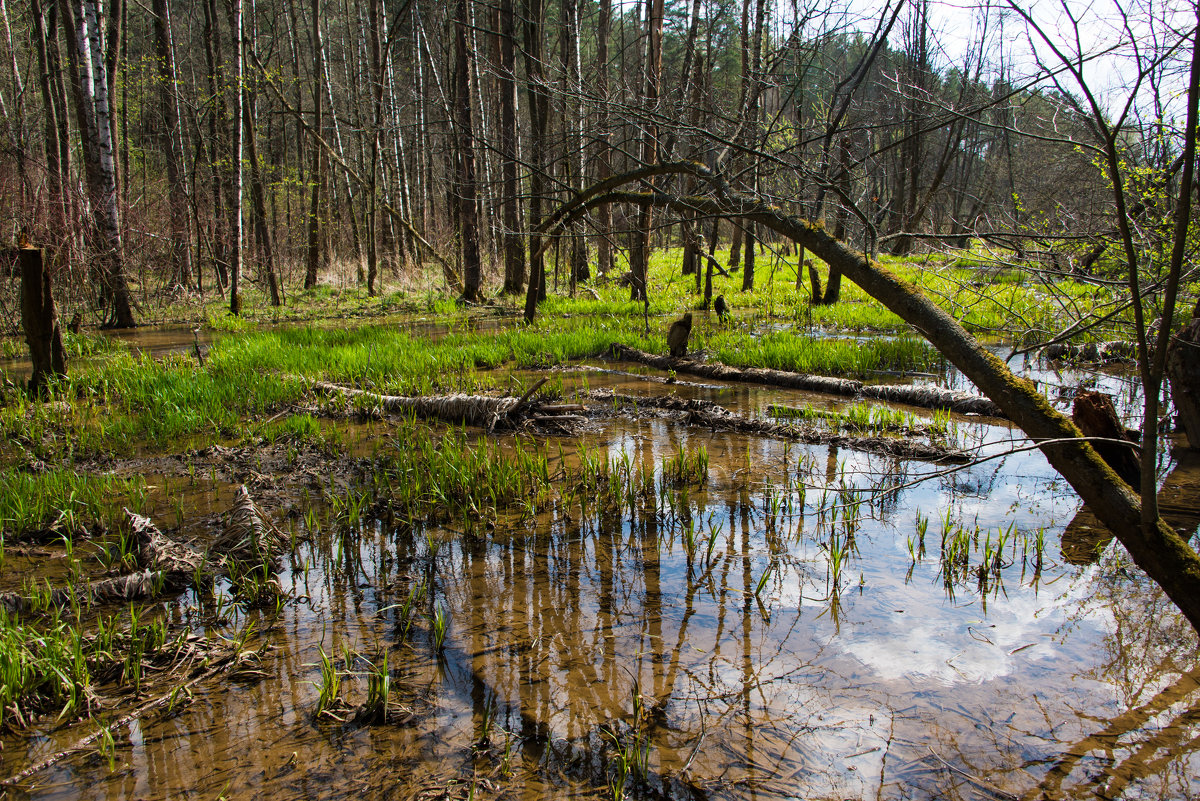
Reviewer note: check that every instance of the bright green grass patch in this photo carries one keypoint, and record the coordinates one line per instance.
(293, 428)
(124, 403)
(869, 418)
(41, 668)
(432, 476)
(986, 296)
(63, 501)
(786, 351)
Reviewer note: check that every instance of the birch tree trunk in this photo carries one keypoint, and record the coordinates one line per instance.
(92, 102)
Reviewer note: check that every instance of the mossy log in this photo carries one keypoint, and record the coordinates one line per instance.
(924, 396)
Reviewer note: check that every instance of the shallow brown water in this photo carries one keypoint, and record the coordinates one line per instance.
(1075, 680)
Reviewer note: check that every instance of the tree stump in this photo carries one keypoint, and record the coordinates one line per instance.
(1183, 370)
(40, 320)
(1096, 416)
(814, 282)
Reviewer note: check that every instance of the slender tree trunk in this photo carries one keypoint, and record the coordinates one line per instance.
(316, 172)
(604, 219)
(92, 99)
(639, 255)
(376, 21)
(16, 125)
(235, 205)
(539, 113)
(218, 144)
(572, 134)
(181, 254)
(751, 245)
(514, 249)
(258, 204)
(44, 36)
(465, 162)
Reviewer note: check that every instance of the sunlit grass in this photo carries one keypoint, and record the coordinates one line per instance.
(63, 501)
(786, 351)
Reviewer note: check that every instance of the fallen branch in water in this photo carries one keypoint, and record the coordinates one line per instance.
(247, 537)
(923, 396)
(82, 744)
(718, 418)
(167, 565)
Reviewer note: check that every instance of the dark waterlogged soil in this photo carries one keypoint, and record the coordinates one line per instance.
(815, 651)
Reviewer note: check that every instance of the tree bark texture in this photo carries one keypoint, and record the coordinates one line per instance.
(40, 320)
(466, 190)
(181, 254)
(92, 103)
(1183, 370)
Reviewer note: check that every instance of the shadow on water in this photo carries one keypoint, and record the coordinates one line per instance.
(797, 622)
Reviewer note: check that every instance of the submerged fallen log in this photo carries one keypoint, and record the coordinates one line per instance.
(489, 413)
(247, 537)
(1092, 352)
(717, 418)
(207, 670)
(164, 565)
(923, 396)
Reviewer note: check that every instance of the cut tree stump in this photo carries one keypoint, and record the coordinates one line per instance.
(1096, 416)
(1183, 369)
(40, 320)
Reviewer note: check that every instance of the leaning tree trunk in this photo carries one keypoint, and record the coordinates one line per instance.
(1166, 557)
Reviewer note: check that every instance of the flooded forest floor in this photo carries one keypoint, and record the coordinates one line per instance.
(407, 560)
